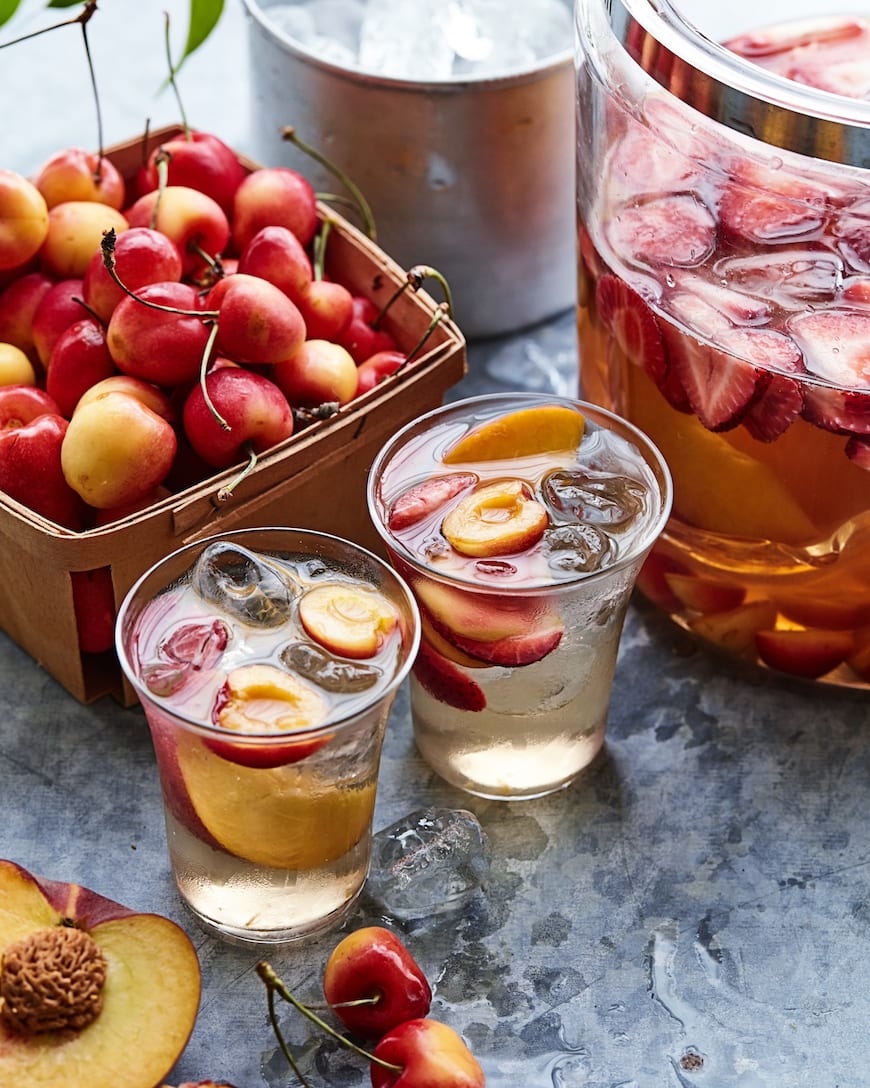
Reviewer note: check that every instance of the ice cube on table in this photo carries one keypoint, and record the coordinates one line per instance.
(244, 585)
(432, 861)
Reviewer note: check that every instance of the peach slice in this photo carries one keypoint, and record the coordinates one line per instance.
(349, 620)
(515, 650)
(545, 428)
(150, 997)
(481, 616)
(498, 519)
(264, 699)
(443, 646)
(734, 629)
(702, 594)
(802, 651)
(282, 817)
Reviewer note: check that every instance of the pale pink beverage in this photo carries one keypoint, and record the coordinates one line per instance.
(520, 523)
(724, 308)
(267, 661)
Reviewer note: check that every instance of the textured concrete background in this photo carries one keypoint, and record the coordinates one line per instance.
(694, 912)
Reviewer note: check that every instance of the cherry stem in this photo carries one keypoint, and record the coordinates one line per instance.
(363, 207)
(272, 982)
(203, 369)
(285, 1049)
(320, 247)
(414, 279)
(82, 17)
(107, 245)
(226, 492)
(441, 311)
(90, 311)
(172, 72)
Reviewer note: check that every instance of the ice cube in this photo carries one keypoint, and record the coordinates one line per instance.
(244, 585)
(793, 278)
(520, 35)
(432, 861)
(317, 665)
(405, 40)
(581, 548)
(592, 498)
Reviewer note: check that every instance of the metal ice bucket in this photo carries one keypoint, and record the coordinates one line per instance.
(474, 177)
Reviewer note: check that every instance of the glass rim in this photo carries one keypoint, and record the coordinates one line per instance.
(652, 455)
(735, 92)
(263, 740)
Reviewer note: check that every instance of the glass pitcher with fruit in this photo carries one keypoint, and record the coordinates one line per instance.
(724, 308)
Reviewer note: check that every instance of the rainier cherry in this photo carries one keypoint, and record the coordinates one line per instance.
(76, 174)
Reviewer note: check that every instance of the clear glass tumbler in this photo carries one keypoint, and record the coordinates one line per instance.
(520, 522)
(266, 661)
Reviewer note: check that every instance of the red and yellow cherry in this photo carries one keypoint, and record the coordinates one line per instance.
(94, 607)
(373, 370)
(257, 322)
(253, 407)
(116, 448)
(56, 310)
(193, 221)
(263, 700)
(76, 174)
(152, 344)
(429, 1054)
(359, 337)
(274, 196)
(18, 304)
(319, 372)
(373, 966)
(15, 367)
(197, 160)
(348, 620)
(23, 219)
(75, 231)
(276, 254)
(497, 519)
(31, 437)
(327, 308)
(79, 359)
(142, 256)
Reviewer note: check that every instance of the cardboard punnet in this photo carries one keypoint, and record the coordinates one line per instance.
(315, 479)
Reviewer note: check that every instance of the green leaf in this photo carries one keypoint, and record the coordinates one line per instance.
(64, 3)
(204, 15)
(8, 9)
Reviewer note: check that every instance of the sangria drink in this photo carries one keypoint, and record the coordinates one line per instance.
(724, 308)
(520, 523)
(266, 662)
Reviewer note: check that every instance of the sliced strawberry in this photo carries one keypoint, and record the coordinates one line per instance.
(781, 400)
(633, 325)
(652, 581)
(763, 206)
(736, 307)
(641, 163)
(856, 291)
(446, 682)
(425, 499)
(673, 231)
(784, 39)
(811, 653)
(852, 230)
(720, 387)
(836, 346)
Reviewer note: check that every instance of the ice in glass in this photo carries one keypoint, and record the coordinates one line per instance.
(266, 662)
(724, 308)
(520, 523)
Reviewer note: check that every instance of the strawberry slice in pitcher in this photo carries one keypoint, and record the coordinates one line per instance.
(852, 231)
(632, 324)
(836, 347)
(781, 400)
(766, 206)
(671, 231)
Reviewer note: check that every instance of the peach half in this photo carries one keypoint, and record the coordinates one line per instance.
(143, 1010)
(500, 518)
(545, 428)
(346, 619)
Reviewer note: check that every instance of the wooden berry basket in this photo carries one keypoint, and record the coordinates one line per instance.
(315, 479)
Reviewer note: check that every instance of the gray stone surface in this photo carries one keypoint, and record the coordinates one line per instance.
(693, 912)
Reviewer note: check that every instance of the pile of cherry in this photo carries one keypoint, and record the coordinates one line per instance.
(378, 991)
(153, 331)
